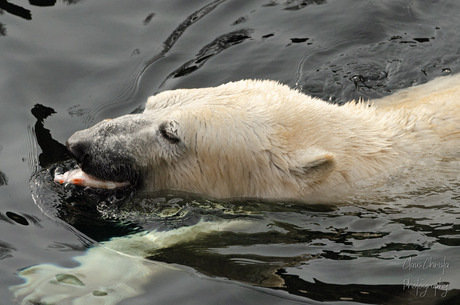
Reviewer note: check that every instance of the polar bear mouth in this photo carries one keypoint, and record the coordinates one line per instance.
(79, 177)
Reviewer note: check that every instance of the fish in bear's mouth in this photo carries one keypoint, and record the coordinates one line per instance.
(79, 177)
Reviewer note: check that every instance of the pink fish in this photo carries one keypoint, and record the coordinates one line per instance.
(78, 177)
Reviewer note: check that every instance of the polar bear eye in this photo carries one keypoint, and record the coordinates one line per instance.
(168, 132)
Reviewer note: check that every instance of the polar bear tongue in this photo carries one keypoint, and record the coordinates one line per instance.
(79, 177)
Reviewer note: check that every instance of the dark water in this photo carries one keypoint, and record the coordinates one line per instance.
(66, 65)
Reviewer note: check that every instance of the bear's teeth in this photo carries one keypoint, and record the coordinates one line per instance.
(79, 177)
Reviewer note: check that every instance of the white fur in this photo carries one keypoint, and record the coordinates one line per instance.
(263, 139)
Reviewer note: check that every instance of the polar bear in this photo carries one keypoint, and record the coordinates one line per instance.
(242, 139)
(262, 139)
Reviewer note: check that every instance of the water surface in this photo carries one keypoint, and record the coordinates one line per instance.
(69, 64)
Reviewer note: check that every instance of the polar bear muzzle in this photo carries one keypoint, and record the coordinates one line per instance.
(102, 156)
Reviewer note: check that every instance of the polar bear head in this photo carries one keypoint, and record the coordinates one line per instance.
(241, 139)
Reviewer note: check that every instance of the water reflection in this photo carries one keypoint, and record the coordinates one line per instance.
(6, 250)
(218, 45)
(294, 5)
(17, 218)
(52, 150)
(16, 10)
(24, 219)
(282, 246)
(22, 12)
(437, 293)
(3, 179)
(179, 31)
(42, 2)
(2, 29)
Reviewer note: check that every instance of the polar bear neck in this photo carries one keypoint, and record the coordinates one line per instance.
(365, 144)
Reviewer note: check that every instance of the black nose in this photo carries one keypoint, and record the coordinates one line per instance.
(78, 149)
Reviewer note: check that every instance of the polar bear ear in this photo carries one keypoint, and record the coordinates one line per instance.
(314, 164)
